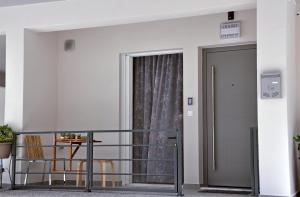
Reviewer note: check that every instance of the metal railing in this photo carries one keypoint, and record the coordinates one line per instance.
(174, 137)
(254, 161)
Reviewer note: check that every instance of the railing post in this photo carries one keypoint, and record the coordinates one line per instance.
(176, 164)
(254, 161)
(89, 162)
(179, 163)
(14, 160)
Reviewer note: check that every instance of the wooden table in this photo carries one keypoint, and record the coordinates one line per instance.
(72, 153)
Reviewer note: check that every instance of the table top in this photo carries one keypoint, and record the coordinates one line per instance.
(82, 139)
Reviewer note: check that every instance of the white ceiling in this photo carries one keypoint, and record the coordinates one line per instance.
(6, 3)
(74, 14)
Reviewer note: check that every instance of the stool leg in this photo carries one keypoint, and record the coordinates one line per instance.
(44, 170)
(79, 174)
(103, 169)
(50, 174)
(113, 170)
(27, 171)
(65, 176)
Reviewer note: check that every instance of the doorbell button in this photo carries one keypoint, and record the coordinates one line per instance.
(189, 113)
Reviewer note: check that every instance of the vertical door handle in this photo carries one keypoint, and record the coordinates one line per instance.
(213, 117)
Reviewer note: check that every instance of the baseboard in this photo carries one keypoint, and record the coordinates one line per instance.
(296, 194)
(191, 186)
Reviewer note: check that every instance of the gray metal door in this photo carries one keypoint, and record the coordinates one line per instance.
(231, 111)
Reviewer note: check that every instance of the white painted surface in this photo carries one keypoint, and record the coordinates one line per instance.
(14, 77)
(2, 105)
(2, 52)
(40, 81)
(82, 13)
(276, 118)
(79, 14)
(88, 77)
(2, 110)
(40, 89)
(14, 81)
(5, 3)
(297, 42)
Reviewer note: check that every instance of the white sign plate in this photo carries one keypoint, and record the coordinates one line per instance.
(230, 30)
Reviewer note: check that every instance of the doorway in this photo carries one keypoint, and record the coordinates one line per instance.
(157, 104)
(230, 109)
(152, 92)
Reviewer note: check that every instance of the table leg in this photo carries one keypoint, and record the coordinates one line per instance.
(113, 170)
(79, 174)
(54, 153)
(70, 155)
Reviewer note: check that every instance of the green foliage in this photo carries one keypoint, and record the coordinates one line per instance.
(297, 140)
(6, 134)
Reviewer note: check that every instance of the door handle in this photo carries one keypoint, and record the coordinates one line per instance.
(213, 117)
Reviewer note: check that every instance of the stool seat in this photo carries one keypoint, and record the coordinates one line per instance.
(102, 164)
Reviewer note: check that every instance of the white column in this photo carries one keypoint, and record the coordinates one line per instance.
(14, 78)
(14, 81)
(277, 118)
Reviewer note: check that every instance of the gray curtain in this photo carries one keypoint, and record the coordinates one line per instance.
(157, 104)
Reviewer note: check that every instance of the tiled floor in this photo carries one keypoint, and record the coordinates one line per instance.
(47, 193)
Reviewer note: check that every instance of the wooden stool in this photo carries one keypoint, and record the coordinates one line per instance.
(102, 164)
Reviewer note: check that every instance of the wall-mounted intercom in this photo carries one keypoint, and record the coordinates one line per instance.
(271, 85)
(190, 100)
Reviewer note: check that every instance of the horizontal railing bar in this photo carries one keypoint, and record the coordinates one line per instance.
(58, 159)
(104, 145)
(33, 186)
(134, 174)
(50, 146)
(75, 173)
(121, 174)
(106, 159)
(99, 189)
(135, 189)
(134, 145)
(99, 131)
(96, 159)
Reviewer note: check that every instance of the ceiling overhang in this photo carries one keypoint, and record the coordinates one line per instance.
(7, 3)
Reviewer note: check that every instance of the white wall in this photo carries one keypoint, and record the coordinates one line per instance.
(13, 115)
(277, 118)
(2, 52)
(13, 20)
(2, 109)
(297, 42)
(40, 88)
(40, 81)
(2, 104)
(88, 77)
(78, 14)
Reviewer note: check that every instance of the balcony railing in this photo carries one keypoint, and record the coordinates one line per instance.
(87, 150)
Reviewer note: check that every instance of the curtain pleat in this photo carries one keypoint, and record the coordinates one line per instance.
(157, 104)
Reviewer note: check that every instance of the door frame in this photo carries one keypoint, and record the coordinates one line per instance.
(126, 103)
(204, 148)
